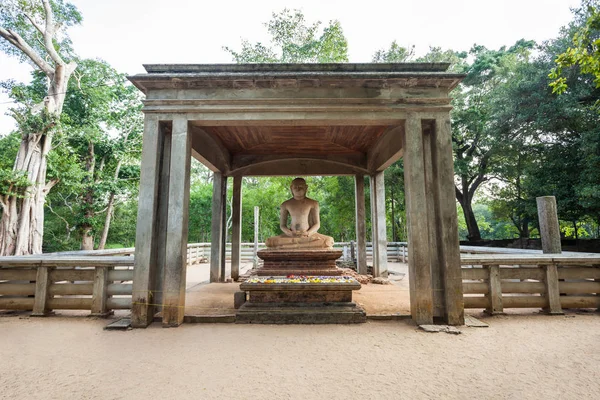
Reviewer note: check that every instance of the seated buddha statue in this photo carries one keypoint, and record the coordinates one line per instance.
(305, 222)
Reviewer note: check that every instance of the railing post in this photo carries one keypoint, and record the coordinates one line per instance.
(403, 253)
(99, 295)
(495, 291)
(42, 294)
(597, 280)
(552, 290)
(256, 222)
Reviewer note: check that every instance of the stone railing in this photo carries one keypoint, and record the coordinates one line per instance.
(66, 282)
(551, 282)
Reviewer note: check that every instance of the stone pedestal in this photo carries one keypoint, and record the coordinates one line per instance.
(299, 262)
(300, 303)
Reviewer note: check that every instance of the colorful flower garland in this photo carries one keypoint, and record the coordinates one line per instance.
(302, 279)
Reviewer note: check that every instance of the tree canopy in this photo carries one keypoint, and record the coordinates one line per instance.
(514, 137)
(293, 40)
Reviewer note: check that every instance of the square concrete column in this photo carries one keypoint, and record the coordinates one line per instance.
(447, 222)
(146, 241)
(378, 226)
(433, 246)
(361, 224)
(216, 228)
(419, 263)
(162, 218)
(236, 227)
(223, 274)
(177, 224)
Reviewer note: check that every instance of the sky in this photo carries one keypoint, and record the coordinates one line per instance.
(130, 33)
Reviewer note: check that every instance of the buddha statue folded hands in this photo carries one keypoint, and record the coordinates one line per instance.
(304, 214)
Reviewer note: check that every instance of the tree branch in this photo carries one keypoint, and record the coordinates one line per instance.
(65, 202)
(459, 195)
(50, 184)
(35, 24)
(49, 34)
(67, 226)
(473, 145)
(480, 179)
(16, 40)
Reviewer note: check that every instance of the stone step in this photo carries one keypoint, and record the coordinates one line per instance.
(298, 313)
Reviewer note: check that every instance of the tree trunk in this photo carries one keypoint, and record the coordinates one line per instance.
(107, 220)
(22, 225)
(524, 229)
(86, 228)
(109, 210)
(473, 234)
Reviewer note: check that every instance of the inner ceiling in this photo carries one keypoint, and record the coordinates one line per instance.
(296, 140)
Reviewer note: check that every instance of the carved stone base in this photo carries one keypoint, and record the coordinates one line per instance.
(299, 262)
(300, 303)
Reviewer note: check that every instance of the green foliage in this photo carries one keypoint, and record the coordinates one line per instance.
(18, 15)
(457, 60)
(394, 54)
(481, 137)
(584, 52)
(295, 41)
(96, 156)
(493, 225)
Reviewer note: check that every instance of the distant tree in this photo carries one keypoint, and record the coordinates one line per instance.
(102, 130)
(394, 54)
(457, 59)
(477, 134)
(584, 53)
(34, 31)
(293, 41)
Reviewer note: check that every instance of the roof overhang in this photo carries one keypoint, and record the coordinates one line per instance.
(297, 119)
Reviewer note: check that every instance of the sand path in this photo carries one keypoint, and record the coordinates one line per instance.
(517, 357)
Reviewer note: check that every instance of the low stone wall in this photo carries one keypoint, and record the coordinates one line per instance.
(65, 282)
(551, 282)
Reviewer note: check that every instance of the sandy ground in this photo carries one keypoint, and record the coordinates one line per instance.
(517, 357)
(524, 355)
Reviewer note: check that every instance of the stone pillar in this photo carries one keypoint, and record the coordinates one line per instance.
(216, 228)
(146, 240)
(549, 227)
(162, 218)
(433, 246)
(447, 222)
(223, 273)
(177, 224)
(236, 228)
(378, 227)
(419, 263)
(361, 224)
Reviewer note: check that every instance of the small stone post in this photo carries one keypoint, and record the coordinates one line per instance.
(256, 214)
(236, 235)
(549, 229)
(550, 233)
